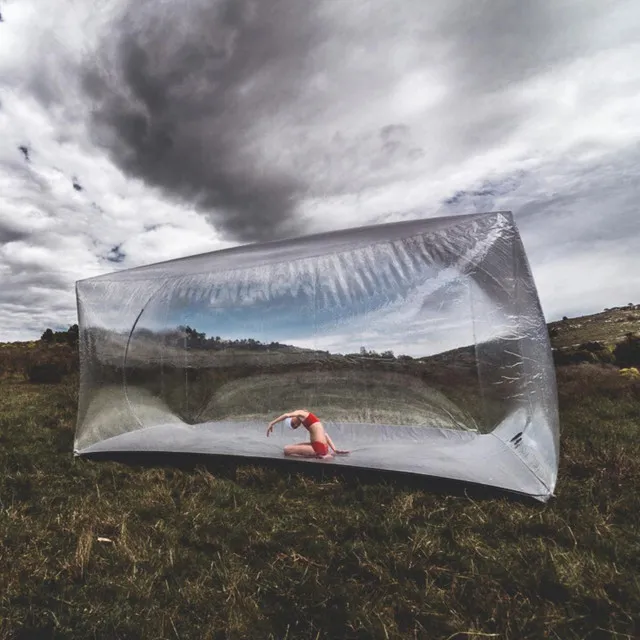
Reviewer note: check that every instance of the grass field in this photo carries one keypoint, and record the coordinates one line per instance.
(233, 549)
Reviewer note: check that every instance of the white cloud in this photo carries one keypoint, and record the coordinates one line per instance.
(568, 283)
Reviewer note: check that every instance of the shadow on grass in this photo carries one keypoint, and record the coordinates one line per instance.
(225, 466)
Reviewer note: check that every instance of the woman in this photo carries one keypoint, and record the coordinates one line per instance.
(320, 440)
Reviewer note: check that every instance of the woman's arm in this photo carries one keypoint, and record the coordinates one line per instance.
(330, 443)
(274, 422)
(298, 413)
(279, 419)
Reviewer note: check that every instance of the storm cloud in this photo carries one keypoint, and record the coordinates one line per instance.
(147, 131)
(247, 109)
(180, 91)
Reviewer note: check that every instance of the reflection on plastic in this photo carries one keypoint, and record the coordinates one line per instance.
(421, 346)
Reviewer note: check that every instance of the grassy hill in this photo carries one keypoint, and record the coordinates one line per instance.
(218, 548)
(609, 327)
(609, 337)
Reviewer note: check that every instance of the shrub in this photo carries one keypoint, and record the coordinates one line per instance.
(46, 373)
(573, 380)
(69, 337)
(575, 356)
(593, 346)
(627, 352)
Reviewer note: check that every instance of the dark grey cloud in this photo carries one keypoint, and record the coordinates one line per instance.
(184, 95)
(22, 274)
(116, 254)
(188, 86)
(498, 44)
(8, 233)
(567, 204)
(179, 91)
(488, 191)
(22, 286)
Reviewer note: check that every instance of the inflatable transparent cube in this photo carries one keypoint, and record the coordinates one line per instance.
(420, 345)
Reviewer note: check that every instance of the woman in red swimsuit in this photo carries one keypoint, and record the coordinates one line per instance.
(320, 440)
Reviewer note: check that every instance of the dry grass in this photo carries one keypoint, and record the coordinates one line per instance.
(608, 327)
(237, 550)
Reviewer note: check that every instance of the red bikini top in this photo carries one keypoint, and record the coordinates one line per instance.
(309, 420)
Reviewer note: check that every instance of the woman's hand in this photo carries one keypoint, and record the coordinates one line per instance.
(269, 429)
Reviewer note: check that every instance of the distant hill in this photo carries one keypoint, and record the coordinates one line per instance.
(609, 337)
(597, 332)
(609, 327)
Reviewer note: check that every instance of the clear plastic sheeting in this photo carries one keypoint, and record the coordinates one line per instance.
(420, 345)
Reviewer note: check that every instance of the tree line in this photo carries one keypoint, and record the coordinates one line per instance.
(70, 336)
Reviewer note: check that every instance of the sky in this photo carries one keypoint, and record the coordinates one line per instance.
(375, 298)
(133, 132)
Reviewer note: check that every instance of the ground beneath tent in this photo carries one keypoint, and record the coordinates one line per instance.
(446, 453)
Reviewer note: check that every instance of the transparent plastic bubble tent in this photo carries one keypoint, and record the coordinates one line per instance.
(420, 345)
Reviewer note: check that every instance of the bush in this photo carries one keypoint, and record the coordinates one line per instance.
(605, 381)
(574, 356)
(593, 346)
(627, 353)
(593, 352)
(46, 373)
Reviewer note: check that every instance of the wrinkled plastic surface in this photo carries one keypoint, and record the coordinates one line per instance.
(421, 346)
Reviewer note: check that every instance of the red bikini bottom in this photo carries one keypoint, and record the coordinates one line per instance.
(320, 448)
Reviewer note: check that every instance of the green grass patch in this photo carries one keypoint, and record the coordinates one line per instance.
(237, 550)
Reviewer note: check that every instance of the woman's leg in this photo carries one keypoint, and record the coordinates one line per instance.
(302, 449)
(321, 449)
